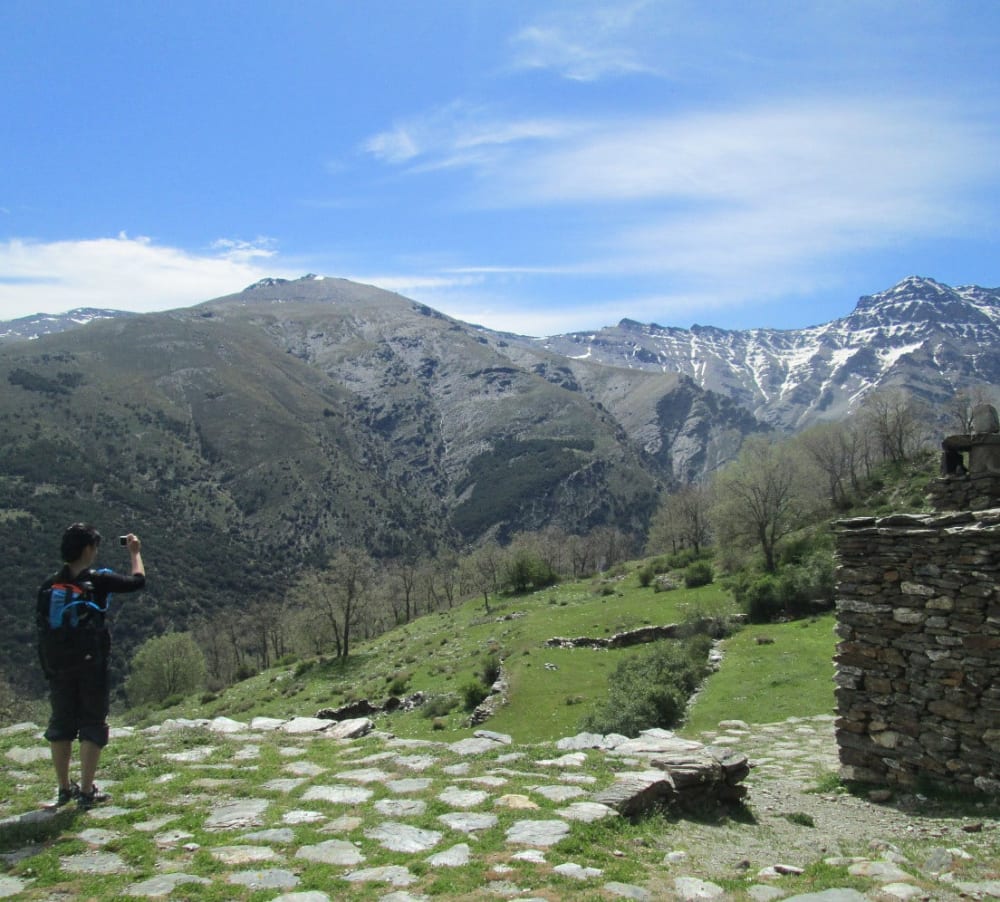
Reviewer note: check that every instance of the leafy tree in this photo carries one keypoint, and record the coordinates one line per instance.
(164, 666)
(526, 567)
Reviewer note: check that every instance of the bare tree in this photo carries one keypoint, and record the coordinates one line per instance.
(214, 644)
(681, 521)
(349, 580)
(760, 497)
(314, 596)
(833, 448)
(484, 570)
(608, 546)
(402, 583)
(896, 420)
(439, 581)
(962, 404)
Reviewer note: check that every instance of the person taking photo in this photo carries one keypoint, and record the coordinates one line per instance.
(74, 649)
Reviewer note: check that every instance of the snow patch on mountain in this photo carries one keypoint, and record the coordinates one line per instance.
(919, 335)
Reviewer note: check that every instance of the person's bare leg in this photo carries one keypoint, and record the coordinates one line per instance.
(90, 755)
(62, 754)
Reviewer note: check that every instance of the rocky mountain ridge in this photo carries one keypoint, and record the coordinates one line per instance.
(920, 335)
(38, 324)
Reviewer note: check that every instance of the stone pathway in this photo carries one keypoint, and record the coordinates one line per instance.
(298, 811)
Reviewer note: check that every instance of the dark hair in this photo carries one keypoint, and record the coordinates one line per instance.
(76, 539)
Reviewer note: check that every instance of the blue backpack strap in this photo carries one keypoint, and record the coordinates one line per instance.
(68, 596)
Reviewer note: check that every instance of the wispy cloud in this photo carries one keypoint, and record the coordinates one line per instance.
(461, 135)
(124, 273)
(765, 192)
(584, 43)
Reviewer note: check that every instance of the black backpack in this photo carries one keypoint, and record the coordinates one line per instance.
(70, 622)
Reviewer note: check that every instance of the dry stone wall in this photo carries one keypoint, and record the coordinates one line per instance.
(918, 658)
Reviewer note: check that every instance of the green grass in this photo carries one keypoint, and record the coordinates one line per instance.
(763, 681)
(792, 675)
(441, 652)
(789, 675)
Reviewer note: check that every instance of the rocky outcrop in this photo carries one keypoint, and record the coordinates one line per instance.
(682, 774)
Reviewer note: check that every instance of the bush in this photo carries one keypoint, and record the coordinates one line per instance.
(490, 672)
(680, 559)
(651, 689)
(438, 706)
(165, 667)
(398, 682)
(473, 692)
(646, 575)
(303, 667)
(698, 573)
(759, 599)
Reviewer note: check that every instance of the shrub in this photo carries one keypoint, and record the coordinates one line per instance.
(491, 671)
(698, 573)
(652, 688)
(680, 559)
(646, 575)
(165, 667)
(473, 692)
(398, 682)
(759, 599)
(303, 667)
(438, 706)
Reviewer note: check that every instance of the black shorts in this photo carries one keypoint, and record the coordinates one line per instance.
(80, 704)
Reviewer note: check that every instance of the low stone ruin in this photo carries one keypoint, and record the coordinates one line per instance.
(619, 640)
(366, 708)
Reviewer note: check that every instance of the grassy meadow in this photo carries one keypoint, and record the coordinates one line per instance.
(767, 673)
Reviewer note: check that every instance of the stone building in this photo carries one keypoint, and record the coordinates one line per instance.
(918, 621)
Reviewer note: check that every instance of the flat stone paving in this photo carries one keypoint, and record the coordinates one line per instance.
(353, 818)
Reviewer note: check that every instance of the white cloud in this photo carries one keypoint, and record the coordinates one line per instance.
(462, 136)
(584, 44)
(121, 273)
(396, 146)
(767, 192)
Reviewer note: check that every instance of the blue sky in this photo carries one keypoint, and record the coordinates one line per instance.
(539, 167)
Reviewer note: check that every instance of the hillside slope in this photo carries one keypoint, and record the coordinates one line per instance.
(256, 434)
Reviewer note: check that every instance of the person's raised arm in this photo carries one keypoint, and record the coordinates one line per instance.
(135, 553)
